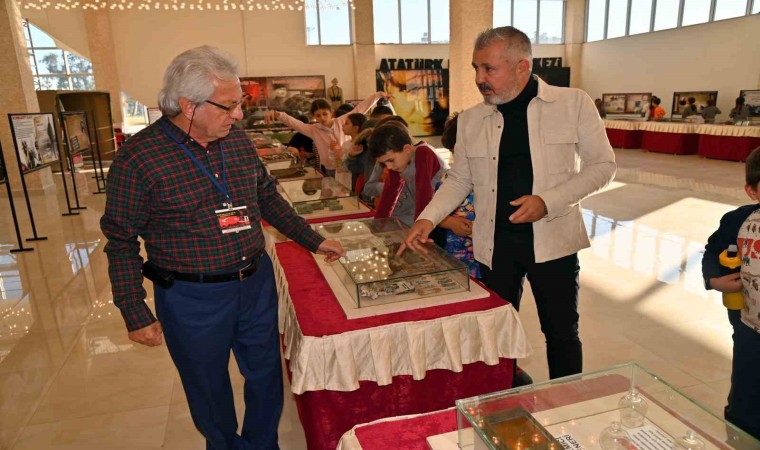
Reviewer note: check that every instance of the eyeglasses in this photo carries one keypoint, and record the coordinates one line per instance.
(228, 109)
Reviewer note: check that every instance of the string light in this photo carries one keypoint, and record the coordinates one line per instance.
(201, 5)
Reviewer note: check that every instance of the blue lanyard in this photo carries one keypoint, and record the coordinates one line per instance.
(220, 187)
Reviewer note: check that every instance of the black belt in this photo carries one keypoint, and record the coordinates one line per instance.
(239, 275)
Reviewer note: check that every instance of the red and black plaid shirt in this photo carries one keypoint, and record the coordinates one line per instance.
(157, 193)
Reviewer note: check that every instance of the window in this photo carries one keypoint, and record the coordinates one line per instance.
(597, 11)
(696, 11)
(54, 68)
(542, 20)
(641, 17)
(666, 15)
(727, 9)
(607, 19)
(411, 21)
(328, 22)
(616, 18)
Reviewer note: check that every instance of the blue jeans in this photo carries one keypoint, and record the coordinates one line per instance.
(202, 323)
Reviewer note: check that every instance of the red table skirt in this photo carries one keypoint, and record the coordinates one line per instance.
(624, 138)
(732, 148)
(675, 143)
(326, 415)
(411, 433)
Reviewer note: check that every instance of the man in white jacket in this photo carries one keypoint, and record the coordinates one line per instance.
(531, 152)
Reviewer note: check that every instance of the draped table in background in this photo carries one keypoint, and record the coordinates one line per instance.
(623, 133)
(345, 372)
(733, 143)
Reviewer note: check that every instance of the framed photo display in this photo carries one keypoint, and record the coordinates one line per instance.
(752, 99)
(153, 115)
(681, 100)
(627, 104)
(35, 140)
(76, 132)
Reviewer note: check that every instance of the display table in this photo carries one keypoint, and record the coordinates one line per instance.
(346, 372)
(733, 143)
(573, 410)
(669, 137)
(623, 133)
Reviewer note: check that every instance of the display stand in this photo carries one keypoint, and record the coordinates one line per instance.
(4, 180)
(39, 144)
(74, 142)
(100, 181)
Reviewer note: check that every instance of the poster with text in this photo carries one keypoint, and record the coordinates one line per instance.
(75, 127)
(752, 99)
(420, 96)
(35, 140)
(681, 100)
(153, 115)
(290, 94)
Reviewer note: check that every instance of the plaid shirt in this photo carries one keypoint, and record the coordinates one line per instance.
(157, 193)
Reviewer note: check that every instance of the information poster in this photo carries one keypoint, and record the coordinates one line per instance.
(35, 140)
(636, 104)
(752, 99)
(681, 100)
(75, 125)
(153, 115)
(419, 90)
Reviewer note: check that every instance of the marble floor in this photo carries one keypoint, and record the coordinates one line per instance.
(70, 379)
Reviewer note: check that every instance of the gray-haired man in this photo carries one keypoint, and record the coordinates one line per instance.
(194, 190)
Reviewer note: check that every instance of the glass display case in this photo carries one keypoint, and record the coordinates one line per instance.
(318, 195)
(373, 274)
(621, 408)
(294, 171)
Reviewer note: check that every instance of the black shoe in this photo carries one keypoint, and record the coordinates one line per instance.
(521, 378)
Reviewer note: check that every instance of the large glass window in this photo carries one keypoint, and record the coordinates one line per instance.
(696, 11)
(54, 68)
(606, 18)
(726, 9)
(641, 17)
(597, 10)
(616, 18)
(541, 20)
(666, 15)
(421, 21)
(328, 22)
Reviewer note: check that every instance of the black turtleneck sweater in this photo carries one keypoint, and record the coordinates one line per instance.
(515, 177)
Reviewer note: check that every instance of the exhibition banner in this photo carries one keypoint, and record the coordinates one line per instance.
(35, 140)
(419, 90)
(76, 132)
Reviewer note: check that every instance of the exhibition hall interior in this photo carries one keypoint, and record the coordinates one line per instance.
(393, 343)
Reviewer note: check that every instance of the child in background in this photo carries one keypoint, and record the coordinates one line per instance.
(413, 170)
(740, 228)
(351, 128)
(327, 133)
(302, 145)
(454, 233)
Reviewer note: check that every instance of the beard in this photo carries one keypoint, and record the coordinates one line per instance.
(500, 97)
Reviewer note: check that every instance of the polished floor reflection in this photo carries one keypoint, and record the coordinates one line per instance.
(70, 378)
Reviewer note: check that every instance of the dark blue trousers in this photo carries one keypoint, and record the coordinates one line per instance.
(743, 408)
(202, 323)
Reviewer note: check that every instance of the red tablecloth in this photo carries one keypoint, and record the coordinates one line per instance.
(624, 138)
(326, 415)
(732, 148)
(675, 143)
(411, 433)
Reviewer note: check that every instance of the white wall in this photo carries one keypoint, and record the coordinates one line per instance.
(720, 56)
(265, 44)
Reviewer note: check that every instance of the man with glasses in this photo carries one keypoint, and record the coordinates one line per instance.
(194, 190)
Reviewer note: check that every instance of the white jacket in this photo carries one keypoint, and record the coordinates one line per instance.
(571, 157)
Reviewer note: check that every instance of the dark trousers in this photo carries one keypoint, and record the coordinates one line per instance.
(743, 408)
(202, 323)
(555, 288)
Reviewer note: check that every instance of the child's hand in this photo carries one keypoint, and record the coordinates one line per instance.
(727, 283)
(459, 225)
(335, 147)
